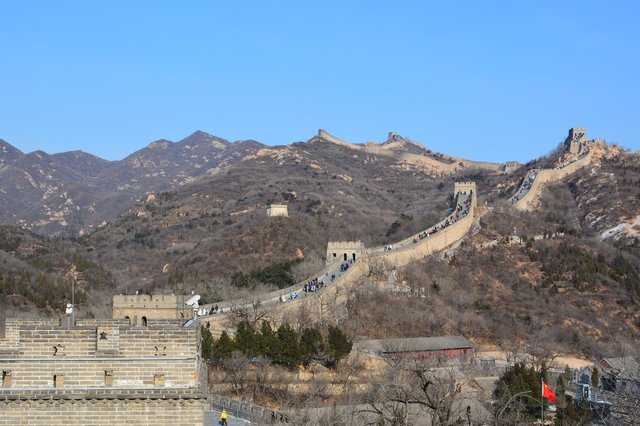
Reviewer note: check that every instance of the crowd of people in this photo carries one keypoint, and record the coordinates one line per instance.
(316, 284)
(313, 286)
(532, 174)
(526, 185)
(461, 210)
(216, 309)
(583, 151)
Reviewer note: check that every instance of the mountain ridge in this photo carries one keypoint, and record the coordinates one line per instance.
(102, 188)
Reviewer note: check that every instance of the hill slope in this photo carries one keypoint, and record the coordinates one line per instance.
(72, 192)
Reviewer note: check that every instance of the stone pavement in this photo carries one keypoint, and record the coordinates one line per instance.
(211, 418)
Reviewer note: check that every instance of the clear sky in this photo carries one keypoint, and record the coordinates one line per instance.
(486, 80)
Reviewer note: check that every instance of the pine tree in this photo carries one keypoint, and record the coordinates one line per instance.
(311, 344)
(246, 339)
(338, 345)
(207, 345)
(267, 340)
(288, 347)
(223, 348)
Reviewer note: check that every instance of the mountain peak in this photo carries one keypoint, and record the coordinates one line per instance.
(8, 153)
(160, 144)
(199, 137)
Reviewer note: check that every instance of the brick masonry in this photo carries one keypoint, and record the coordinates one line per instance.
(100, 372)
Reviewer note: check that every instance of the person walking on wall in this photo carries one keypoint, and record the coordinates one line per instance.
(223, 418)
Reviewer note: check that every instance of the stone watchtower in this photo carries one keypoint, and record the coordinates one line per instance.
(277, 210)
(344, 250)
(577, 136)
(467, 188)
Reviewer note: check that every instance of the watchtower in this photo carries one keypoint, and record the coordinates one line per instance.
(465, 187)
(277, 210)
(577, 136)
(344, 251)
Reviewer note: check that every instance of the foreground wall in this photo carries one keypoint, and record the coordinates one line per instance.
(100, 372)
(101, 410)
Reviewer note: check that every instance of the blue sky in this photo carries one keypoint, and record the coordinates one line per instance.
(480, 79)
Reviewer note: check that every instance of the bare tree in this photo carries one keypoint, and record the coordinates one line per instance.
(235, 371)
(250, 310)
(414, 388)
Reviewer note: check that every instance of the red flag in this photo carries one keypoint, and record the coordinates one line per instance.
(548, 393)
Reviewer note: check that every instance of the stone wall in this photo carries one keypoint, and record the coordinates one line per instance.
(549, 175)
(464, 187)
(99, 410)
(321, 305)
(100, 372)
(136, 307)
(576, 137)
(106, 355)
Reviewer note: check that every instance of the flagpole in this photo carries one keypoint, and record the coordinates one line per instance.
(542, 400)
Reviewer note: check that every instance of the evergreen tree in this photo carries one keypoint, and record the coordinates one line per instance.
(223, 348)
(573, 414)
(267, 340)
(519, 379)
(288, 347)
(311, 344)
(338, 345)
(561, 389)
(207, 345)
(246, 339)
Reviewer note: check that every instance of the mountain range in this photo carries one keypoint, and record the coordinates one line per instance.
(191, 216)
(71, 192)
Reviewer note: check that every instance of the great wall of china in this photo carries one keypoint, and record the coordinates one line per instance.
(143, 366)
(420, 161)
(529, 192)
(401, 253)
(433, 239)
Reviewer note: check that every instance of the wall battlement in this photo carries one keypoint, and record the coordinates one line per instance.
(464, 187)
(139, 308)
(100, 372)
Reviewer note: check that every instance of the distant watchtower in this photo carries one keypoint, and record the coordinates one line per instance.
(277, 210)
(577, 136)
(464, 187)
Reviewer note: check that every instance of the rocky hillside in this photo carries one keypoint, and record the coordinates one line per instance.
(211, 234)
(72, 192)
(217, 225)
(36, 274)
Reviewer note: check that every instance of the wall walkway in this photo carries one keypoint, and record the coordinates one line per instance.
(525, 199)
(438, 237)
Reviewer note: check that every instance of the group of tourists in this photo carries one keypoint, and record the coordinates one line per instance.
(215, 309)
(460, 211)
(526, 185)
(313, 286)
